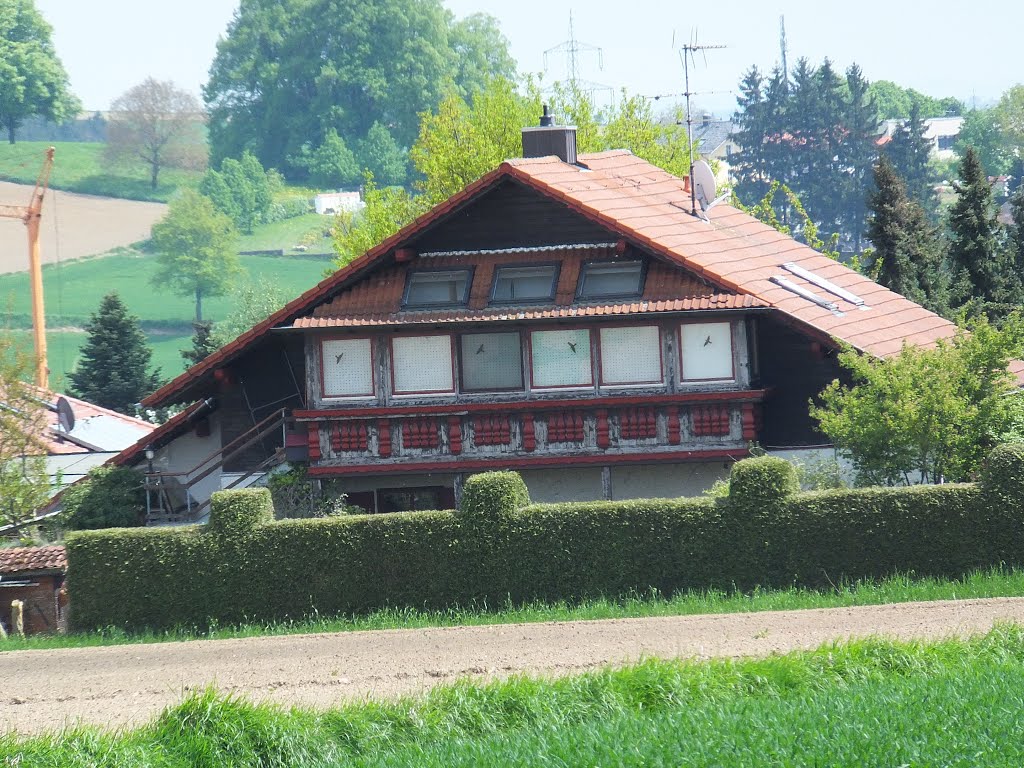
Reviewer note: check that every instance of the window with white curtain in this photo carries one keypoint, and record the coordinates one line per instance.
(422, 364)
(491, 361)
(707, 352)
(631, 355)
(348, 367)
(561, 358)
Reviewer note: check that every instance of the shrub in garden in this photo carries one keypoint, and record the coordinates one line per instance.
(109, 497)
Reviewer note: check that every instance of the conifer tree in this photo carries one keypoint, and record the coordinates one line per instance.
(909, 152)
(908, 258)
(983, 270)
(203, 344)
(113, 370)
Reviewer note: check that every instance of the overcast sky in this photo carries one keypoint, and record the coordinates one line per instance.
(968, 50)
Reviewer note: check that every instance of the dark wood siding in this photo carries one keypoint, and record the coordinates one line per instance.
(511, 216)
(794, 372)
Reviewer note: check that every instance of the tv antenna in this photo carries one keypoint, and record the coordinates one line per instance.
(688, 54)
(571, 49)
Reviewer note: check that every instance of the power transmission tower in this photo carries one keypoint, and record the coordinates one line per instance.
(571, 49)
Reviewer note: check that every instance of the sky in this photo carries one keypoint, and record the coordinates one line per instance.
(941, 48)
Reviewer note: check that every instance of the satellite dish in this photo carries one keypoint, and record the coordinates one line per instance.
(65, 414)
(703, 184)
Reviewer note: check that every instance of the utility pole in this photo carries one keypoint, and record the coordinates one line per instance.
(782, 48)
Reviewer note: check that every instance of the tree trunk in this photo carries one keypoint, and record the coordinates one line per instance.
(154, 170)
(199, 305)
(10, 131)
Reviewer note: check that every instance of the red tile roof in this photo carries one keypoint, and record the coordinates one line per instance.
(648, 208)
(32, 560)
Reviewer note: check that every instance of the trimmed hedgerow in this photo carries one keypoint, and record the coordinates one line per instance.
(243, 568)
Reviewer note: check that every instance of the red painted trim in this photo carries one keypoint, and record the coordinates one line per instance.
(674, 430)
(403, 255)
(590, 351)
(749, 421)
(732, 353)
(527, 462)
(383, 438)
(451, 359)
(373, 366)
(529, 433)
(455, 434)
(683, 398)
(314, 441)
(600, 356)
(603, 439)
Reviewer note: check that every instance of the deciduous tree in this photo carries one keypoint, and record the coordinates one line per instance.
(113, 369)
(32, 79)
(159, 125)
(195, 250)
(242, 190)
(381, 156)
(924, 415)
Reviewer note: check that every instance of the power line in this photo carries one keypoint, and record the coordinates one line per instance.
(687, 54)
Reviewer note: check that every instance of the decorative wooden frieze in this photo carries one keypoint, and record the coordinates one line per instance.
(349, 436)
(420, 433)
(492, 429)
(641, 423)
(384, 438)
(565, 428)
(674, 432)
(313, 439)
(603, 439)
(749, 422)
(710, 420)
(529, 434)
(455, 434)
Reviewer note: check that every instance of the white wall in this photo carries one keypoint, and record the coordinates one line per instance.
(184, 453)
(666, 481)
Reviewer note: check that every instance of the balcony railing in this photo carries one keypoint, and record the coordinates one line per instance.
(692, 425)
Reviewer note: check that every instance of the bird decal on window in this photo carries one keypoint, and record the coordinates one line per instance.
(480, 351)
(572, 346)
(707, 341)
(337, 358)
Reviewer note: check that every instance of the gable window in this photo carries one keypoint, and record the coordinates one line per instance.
(437, 288)
(422, 364)
(631, 355)
(561, 359)
(611, 278)
(491, 362)
(347, 366)
(706, 352)
(533, 283)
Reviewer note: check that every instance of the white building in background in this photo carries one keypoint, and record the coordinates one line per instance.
(331, 203)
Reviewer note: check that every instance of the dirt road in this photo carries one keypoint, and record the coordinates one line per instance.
(129, 684)
(73, 225)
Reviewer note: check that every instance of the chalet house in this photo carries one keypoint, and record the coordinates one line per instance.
(576, 318)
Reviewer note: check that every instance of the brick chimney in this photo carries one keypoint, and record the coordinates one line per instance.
(550, 139)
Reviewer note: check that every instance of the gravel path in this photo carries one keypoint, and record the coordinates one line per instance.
(129, 684)
(81, 225)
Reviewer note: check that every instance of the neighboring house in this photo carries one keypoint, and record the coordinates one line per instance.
(566, 317)
(98, 435)
(330, 203)
(940, 131)
(35, 576)
(715, 141)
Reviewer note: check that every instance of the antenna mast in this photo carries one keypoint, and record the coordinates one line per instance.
(783, 48)
(687, 52)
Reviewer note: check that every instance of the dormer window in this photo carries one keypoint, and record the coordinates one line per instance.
(527, 283)
(437, 288)
(610, 279)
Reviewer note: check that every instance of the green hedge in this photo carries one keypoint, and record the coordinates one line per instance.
(243, 568)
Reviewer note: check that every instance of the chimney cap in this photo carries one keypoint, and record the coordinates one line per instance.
(547, 119)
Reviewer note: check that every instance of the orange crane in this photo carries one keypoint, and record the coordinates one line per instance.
(30, 214)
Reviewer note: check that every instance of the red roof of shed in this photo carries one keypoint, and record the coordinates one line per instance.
(33, 560)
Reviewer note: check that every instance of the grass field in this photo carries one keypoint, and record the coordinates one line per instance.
(79, 167)
(951, 703)
(996, 582)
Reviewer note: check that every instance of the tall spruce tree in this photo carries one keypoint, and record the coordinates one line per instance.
(750, 164)
(858, 152)
(984, 272)
(908, 257)
(113, 370)
(203, 344)
(1016, 241)
(910, 151)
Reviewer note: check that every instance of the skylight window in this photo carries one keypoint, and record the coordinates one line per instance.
(532, 283)
(611, 278)
(437, 288)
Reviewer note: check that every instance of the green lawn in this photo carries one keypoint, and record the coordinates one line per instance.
(996, 582)
(308, 230)
(866, 703)
(79, 167)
